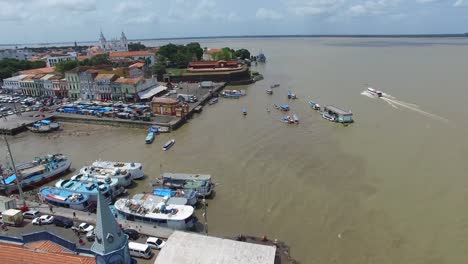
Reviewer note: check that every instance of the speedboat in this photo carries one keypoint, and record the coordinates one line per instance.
(374, 92)
(149, 138)
(168, 144)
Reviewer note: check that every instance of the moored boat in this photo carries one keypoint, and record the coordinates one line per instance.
(283, 107)
(191, 196)
(123, 176)
(295, 119)
(336, 114)
(149, 138)
(328, 117)
(135, 168)
(92, 189)
(276, 85)
(200, 183)
(213, 101)
(314, 105)
(154, 129)
(287, 119)
(269, 91)
(233, 93)
(156, 213)
(37, 172)
(43, 126)
(114, 185)
(291, 95)
(168, 144)
(64, 198)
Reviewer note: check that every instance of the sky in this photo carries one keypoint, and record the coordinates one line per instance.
(48, 21)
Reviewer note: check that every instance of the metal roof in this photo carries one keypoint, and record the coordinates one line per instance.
(188, 248)
(150, 92)
(338, 110)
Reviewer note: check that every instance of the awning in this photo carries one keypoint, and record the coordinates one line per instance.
(150, 92)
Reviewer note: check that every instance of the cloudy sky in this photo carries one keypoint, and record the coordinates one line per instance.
(32, 21)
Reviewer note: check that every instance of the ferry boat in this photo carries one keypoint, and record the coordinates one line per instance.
(191, 196)
(314, 105)
(160, 199)
(374, 92)
(200, 183)
(135, 168)
(43, 126)
(37, 172)
(64, 198)
(92, 189)
(336, 114)
(115, 187)
(149, 138)
(123, 176)
(168, 144)
(156, 213)
(233, 94)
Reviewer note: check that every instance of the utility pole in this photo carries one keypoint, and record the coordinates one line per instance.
(18, 177)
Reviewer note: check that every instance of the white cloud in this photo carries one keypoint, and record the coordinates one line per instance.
(372, 7)
(459, 3)
(264, 13)
(187, 10)
(312, 7)
(427, 1)
(70, 5)
(129, 6)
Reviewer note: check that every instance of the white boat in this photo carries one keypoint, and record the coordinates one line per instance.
(374, 92)
(156, 213)
(168, 144)
(135, 168)
(114, 185)
(123, 176)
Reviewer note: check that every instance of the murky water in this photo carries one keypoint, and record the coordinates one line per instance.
(390, 188)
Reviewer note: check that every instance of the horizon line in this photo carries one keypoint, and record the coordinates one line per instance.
(440, 35)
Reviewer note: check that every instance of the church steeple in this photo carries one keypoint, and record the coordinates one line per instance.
(111, 244)
(102, 41)
(124, 41)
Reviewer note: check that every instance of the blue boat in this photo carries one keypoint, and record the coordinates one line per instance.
(244, 111)
(154, 129)
(149, 138)
(65, 198)
(89, 188)
(283, 107)
(287, 119)
(43, 126)
(235, 94)
(37, 172)
(291, 95)
(190, 195)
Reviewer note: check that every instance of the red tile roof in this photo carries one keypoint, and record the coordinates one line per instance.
(128, 80)
(130, 53)
(164, 100)
(16, 254)
(45, 70)
(213, 51)
(137, 65)
(48, 246)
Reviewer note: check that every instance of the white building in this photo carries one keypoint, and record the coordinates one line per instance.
(114, 44)
(12, 84)
(53, 59)
(134, 55)
(19, 54)
(48, 87)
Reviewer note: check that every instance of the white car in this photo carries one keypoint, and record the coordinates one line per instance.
(43, 219)
(156, 243)
(85, 227)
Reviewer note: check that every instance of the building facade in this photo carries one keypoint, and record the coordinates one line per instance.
(87, 90)
(47, 85)
(73, 83)
(53, 59)
(12, 84)
(19, 54)
(103, 86)
(169, 106)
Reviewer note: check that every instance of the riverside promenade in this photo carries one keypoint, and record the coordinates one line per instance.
(80, 216)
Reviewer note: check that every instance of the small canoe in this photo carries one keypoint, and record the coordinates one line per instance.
(168, 144)
(149, 138)
(244, 111)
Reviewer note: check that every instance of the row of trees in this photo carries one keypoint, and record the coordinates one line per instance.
(178, 56)
(9, 66)
(230, 54)
(136, 46)
(101, 59)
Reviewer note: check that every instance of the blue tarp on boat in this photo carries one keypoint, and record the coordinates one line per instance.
(163, 192)
(10, 179)
(46, 122)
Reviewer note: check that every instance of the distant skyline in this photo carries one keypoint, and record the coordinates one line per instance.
(49, 21)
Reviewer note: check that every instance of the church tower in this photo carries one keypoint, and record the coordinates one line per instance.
(111, 244)
(124, 41)
(102, 42)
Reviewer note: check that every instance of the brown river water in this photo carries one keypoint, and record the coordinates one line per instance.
(390, 188)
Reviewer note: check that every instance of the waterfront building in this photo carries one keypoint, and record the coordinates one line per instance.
(87, 91)
(187, 248)
(128, 89)
(103, 86)
(27, 85)
(12, 84)
(53, 59)
(169, 106)
(42, 247)
(150, 57)
(208, 54)
(111, 244)
(19, 54)
(73, 83)
(47, 85)
(59, 86)
(214, 66)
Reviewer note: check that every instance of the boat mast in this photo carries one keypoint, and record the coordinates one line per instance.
(205, 216)
(20, 190)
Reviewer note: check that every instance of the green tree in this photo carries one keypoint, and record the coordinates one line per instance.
(225, 54)
(169, 51)
(136, 46)
(242, 54)
(10, 66)
(194, 48)
(64, 66)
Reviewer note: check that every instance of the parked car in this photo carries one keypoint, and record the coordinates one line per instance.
(132, 233)
(155, 242)
(90, 236)
(43, 220)
(63, 221)
(31, 214)
(85, 227)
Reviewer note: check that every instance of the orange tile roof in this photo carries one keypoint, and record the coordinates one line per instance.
(130, 53)
(164, 100)
(128, 80)
(105, 76)
(213, 51)
(48, 246)
(45, 70)
(16, 254)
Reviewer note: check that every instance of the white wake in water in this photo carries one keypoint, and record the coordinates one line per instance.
(413, 107)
